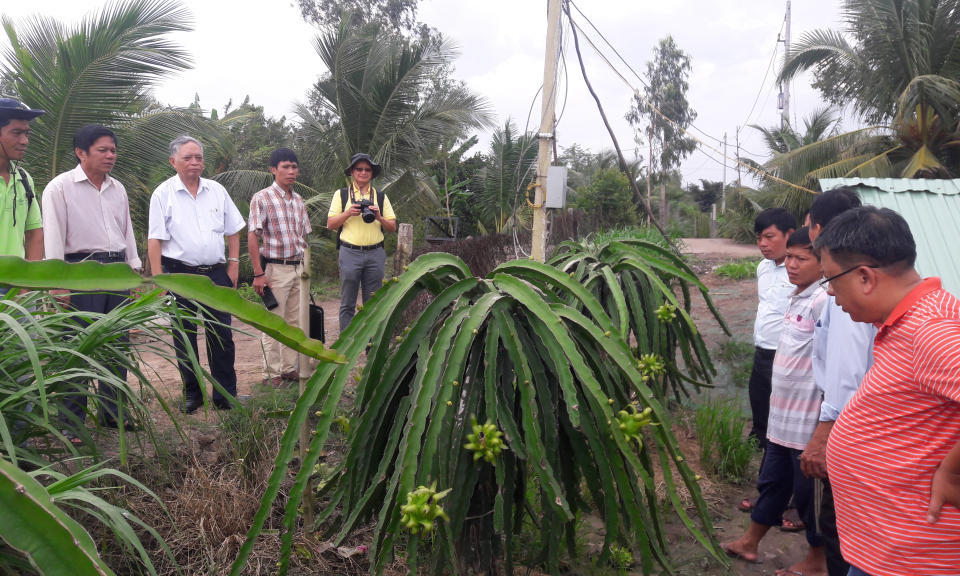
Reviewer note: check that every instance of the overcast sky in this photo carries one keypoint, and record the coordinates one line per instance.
(263, 49)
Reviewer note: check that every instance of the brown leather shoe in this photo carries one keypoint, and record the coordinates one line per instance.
(291, 376)
(276, 382)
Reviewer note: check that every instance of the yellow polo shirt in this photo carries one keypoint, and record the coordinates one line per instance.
(355, 230)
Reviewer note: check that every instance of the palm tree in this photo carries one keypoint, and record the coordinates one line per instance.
(102, 71)
(898, 65)
(376, 99)
(510, 165)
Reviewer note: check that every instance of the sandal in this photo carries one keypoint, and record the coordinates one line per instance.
(73, 439)
(746, 506)
(127, 425)
(792, 522)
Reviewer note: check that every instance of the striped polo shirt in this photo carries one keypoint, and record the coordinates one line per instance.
(892, 436)
(794, 397)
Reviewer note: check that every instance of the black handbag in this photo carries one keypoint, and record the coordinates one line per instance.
(317, 327)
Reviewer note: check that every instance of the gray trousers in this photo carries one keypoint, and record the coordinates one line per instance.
(360, 271)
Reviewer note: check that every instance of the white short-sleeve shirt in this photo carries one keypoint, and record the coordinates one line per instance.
(774, 289)
(192, 229)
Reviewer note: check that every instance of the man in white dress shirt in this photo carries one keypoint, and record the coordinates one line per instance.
(87, 217)
(189, 218)
(773, 227)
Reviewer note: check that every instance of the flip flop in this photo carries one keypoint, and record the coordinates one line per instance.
(73, 439)
(745, 509)
(127, 425)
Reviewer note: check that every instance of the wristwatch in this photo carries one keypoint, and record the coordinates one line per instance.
(237, 260)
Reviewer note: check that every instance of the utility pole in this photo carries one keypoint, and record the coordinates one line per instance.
(739, 184)
(723, 206)
(786, 57)
(546, 135)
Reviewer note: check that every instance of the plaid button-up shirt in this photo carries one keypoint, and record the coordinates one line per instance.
(282, 224)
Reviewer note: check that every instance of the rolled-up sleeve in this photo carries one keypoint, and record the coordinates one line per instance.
(157, 229)
(849, 355)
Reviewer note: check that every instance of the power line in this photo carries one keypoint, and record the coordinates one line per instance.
(642, 81)
(662, 115)
(765, 75)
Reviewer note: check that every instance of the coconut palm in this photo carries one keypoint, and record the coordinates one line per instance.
(376, 98)
(898, 65)
(101, 71)
(509, 170)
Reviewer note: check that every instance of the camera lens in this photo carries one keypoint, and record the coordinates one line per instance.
(367, 215)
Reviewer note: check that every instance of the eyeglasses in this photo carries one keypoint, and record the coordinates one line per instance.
(826, 281)
(359, 169)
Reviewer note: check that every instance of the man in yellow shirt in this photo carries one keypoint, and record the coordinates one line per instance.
(360, 214)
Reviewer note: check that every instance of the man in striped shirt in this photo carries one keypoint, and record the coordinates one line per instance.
(894, 453)
(794, 414)
(278, 216)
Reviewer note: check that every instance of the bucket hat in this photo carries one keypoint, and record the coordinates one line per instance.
(365, 157)
(15, 110)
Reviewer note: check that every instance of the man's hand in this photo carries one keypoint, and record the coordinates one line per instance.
(62, 296)
(944, 489)
(813, 461)
(258, 284)
(233, 271)
(354, 210)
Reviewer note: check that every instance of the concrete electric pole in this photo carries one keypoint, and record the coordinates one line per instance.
(786, 57)
(546, 135)
(723, 206)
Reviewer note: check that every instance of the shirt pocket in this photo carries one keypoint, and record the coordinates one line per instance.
(215, 218)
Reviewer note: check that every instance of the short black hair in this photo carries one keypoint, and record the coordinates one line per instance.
(779, 217)
(800, 237)
(830, 204)
(89, 134)
(4, 120)
(283, 155)
(879, 236)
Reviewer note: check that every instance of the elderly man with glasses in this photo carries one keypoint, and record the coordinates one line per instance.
(189, 218)
(360, 230)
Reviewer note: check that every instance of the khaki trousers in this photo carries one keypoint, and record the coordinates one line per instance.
(285, 283)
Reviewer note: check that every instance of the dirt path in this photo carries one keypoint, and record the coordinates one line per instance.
(719, 247)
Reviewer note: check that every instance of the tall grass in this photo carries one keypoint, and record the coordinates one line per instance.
(739, 355)
(724, 448)
(740, 270)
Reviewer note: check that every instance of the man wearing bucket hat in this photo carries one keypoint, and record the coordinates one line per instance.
(360, 214)
(21, 229)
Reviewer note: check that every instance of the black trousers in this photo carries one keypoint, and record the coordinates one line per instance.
(221, 351)
(759, 389)
(76, 404)
(780, 480)
(836, 565)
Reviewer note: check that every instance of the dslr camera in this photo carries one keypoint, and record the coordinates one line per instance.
(365, 212)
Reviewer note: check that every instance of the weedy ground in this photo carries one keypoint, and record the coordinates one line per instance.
(738, 270)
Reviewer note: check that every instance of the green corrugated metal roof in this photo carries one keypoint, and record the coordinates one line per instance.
(930, 207)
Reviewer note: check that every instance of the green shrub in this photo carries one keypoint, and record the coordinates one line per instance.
(648, 233)
(609, 197)
(724, 450)
(740, 270)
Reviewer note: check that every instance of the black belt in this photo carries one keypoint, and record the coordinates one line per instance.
(281, 261)
(97, 256)
(178, 266)
(364, 248)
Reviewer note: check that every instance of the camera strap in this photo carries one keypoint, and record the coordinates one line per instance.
(347, 194)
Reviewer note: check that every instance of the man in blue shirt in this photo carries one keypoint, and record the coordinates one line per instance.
(842, 354)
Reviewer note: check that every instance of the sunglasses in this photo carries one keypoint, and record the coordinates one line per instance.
(826, 281)
(359, 169)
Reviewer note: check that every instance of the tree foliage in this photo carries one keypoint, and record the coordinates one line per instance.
(706, 195)
(666, 90)
(509, 165)
(608, 198)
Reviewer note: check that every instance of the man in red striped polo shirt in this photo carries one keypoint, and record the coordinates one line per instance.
(894, 453)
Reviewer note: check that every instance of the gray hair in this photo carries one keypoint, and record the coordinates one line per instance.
(180, 141)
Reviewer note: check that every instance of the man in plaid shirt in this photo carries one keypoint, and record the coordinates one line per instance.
(278, 216)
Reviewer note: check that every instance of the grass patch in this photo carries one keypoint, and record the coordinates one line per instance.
(739, 270)
(739, 354)
(724, 449)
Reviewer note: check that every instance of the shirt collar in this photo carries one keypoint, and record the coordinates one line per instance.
(179, 185)
(282, 192)
(79, 176)
(808, 290)
(911, 299)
